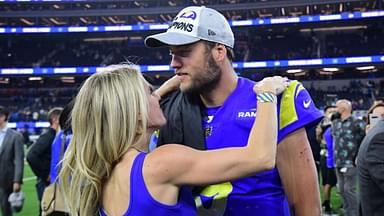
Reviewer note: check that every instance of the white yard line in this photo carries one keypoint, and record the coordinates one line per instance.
(29, 178)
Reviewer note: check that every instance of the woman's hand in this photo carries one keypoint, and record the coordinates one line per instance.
(168, 86)
(275, 85)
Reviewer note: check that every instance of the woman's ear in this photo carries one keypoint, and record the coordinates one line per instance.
(139, 129)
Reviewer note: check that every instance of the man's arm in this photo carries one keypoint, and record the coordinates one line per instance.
(34, 155)
(19, 161)
(298, 174)
(374, 159)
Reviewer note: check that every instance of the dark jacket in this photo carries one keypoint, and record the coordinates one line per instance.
(39, 155)
(11, 159)
(183, 112)
(370, 165)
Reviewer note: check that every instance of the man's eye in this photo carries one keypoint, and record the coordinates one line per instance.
(182, 53)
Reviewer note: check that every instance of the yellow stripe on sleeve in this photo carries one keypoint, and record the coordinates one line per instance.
(288, 113)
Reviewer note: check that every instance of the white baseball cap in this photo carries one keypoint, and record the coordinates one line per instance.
(192, 24)
(16, 199)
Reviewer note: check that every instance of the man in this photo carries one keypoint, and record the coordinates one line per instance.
(11, 162)
(324, 135)
(215, 109)
(65, 133)
(370, 162)
(347, 133)
(39, 155)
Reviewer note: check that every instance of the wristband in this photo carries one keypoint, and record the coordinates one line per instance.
(266, 97)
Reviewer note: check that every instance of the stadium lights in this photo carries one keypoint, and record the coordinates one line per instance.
(113, 20)
(340, 28)
(67, 79)
(27, 21)
(106, 39)
(321, 72)
(4, 80)
(56, 22)
(35, 78)
(83, 20)
(331, 69)
(365, 68)
(292, 71)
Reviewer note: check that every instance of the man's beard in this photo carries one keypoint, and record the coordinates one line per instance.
(205, 81)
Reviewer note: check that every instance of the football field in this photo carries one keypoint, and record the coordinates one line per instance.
(30, 207)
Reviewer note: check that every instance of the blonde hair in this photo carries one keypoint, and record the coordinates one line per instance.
(109, 116)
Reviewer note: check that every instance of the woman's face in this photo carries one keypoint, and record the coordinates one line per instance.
(156, 116)
(378, 111)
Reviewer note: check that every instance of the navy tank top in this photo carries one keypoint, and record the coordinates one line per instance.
(143, 204)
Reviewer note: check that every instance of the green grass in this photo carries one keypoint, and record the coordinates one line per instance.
(31, 206)
(335, 200)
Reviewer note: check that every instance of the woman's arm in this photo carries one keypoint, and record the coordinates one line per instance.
(180, 165)
(168, 86)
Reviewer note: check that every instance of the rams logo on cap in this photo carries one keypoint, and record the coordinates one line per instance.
(189, 14)
(181, 22)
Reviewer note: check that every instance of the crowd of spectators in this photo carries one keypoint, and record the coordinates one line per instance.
(252, 44)
(361, 93)
(365, 42)
(31, 104)
(61, 51)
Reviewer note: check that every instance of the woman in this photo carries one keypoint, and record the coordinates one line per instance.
(107, 169)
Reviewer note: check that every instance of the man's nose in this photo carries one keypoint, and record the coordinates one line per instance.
(175, 62)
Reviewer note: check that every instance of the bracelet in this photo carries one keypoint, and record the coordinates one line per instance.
(266, 97)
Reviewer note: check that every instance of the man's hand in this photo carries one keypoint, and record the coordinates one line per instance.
(16, 187)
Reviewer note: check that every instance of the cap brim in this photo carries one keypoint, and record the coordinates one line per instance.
(169, 39)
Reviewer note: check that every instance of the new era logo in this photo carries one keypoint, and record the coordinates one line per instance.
(211, 33)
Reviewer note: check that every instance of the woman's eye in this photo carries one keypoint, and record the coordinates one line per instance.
(151, 90)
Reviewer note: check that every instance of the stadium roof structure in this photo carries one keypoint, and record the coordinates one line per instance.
(118, 12)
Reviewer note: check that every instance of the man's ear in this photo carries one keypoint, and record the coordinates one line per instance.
(219, 52)
(56, 119)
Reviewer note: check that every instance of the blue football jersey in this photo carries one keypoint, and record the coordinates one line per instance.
(229, 126)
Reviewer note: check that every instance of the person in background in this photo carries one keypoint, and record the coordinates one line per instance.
(329, 179)
(39, 154)
(374, 113)
(11, 162)
(107, 169)
(64, 135)
(25, 132)
(370, 163)
(214, 110)
(347, 133)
